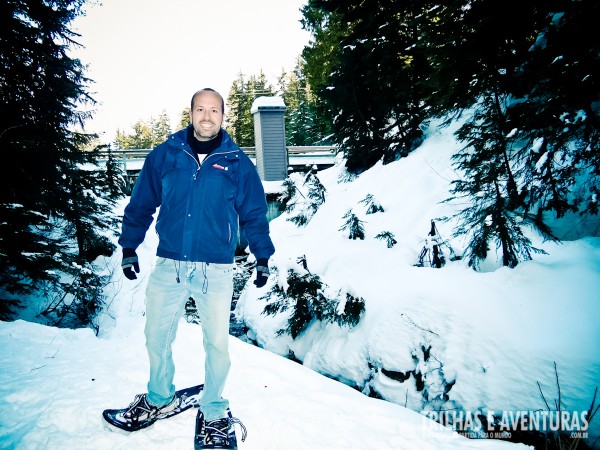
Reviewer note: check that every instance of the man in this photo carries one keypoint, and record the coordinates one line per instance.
(205, 185)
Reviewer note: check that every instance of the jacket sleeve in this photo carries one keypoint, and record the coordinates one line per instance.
(145, 198)
(251, 205)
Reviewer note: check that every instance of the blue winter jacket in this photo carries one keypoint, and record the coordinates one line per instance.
(201, 205)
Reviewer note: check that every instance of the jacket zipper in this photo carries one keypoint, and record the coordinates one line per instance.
(198, 171)
(200, 164)
(197, 163)
(220, 153)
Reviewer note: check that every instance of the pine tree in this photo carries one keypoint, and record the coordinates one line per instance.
(531, 134)
(300, 125)
(388, 237)
(257, 86)
(236, 106)
(316, 192)
(146, 134)
(113, 176)
(353, 225)
(240, 122)
(54, 221)
(288, 195)
(245, 130)
(558, 123)
(321, 59)
(374, 85)
(305, 202)
(493, 161)
(141, 138)
(372, 204)
(184, 118)
(161, 129)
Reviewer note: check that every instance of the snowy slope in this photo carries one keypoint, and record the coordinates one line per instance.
(55, 383)
(494, 334)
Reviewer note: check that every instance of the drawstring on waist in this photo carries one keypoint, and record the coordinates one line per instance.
(205, 282)
(177, 268)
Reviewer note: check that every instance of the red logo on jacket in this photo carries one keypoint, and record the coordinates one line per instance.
(220, 167)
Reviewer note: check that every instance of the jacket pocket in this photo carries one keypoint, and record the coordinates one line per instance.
(223, 268)
(160, 261)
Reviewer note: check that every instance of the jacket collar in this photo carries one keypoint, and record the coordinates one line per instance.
(179, 140)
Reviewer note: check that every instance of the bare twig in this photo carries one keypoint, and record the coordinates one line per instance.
(561, 440)
(55, 353)
(559, 400)
(436, 172)
(9, 128)
(543, 397)
(558, 403)
(592, 411)
(412, 322)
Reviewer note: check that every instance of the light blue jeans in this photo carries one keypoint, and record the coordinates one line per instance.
(211, 286)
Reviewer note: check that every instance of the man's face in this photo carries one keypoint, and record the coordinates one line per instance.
(206, 116)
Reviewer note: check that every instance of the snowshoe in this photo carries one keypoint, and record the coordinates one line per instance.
(141, 414)
(217, 434)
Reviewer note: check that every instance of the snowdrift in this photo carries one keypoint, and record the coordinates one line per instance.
(447, 338)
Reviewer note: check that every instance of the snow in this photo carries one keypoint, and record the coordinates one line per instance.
(495, 333)
(56, 382)
(267, 103)
(272, 187)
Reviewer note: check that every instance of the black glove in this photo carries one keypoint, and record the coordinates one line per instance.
(262, 272)
(130, 263)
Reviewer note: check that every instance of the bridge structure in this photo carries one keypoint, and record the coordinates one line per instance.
(274, 160)
(300, 159)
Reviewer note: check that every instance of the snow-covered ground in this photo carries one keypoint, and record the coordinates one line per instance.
(55, 383)
(495, 334)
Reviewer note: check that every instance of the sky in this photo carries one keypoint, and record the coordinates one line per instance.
(146, 56)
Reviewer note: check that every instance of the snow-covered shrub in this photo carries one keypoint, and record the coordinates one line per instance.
(372, 204)
(354, 225)
(316, 191)
(346, 177)
(77, 304)
(301, 219)
(350, 314)
(307, 299)
(287, 196)
(388, 237)
(306, 199)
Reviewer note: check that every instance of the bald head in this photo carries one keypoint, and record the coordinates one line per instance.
(206, 114)
(201, 91)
